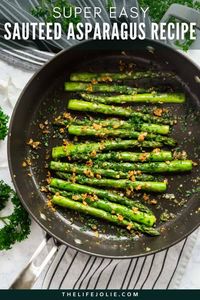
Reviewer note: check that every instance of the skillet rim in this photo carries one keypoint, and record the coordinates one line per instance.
(12, 120)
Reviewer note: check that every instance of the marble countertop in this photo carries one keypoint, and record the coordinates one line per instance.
(12, 81)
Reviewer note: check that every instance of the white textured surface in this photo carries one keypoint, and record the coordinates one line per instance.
(12, 81)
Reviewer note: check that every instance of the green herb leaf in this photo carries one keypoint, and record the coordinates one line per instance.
(45, 12)
(3, 124)
(17, 225)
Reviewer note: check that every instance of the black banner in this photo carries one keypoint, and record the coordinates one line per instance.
(100, 294)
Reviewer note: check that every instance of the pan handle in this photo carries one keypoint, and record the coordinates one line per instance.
(32, 271)
(183, 13)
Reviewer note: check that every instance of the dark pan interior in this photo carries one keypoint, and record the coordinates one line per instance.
(44, 98)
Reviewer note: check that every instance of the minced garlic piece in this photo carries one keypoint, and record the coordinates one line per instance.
(142, 136)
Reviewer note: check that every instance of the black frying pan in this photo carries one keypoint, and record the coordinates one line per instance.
(43, 98)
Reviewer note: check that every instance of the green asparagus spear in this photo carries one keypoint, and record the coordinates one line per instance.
(113, 208)
(135, 156)
(102, 88)
(92, 172)
(80, 105)
(146, 97)
(109, 77)
(149, 186)
(101, 193)
(77, 206)
(122, 133)
(116, 124)
(88, 149)
(151, 167)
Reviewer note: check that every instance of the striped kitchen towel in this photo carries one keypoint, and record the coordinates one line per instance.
(164, 270)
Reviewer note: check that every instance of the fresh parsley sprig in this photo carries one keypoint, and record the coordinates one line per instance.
(3, 124)
(157, 9)
(16, 225)
(45, 11)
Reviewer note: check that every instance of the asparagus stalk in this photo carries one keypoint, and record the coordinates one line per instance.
(149, 186)
(88, 149)
(80, 105)
(114, 123)
(174, 166)
(103, 194)
(109, 77)
(102, 88)
(122, 133)
(92, 172)
(77, 206)
(113, 208)
(135, 157)
(146, 97)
